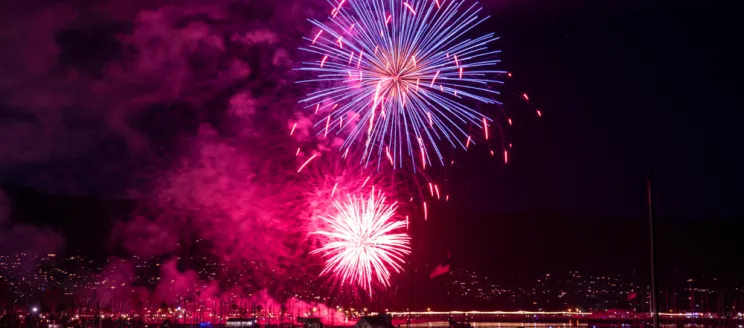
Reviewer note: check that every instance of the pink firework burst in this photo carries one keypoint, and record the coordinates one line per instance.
(362, 242)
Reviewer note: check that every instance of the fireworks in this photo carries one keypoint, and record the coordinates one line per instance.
(362, 242)
(332, 180)
(403, 74)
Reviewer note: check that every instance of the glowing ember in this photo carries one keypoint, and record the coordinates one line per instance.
(306, 162)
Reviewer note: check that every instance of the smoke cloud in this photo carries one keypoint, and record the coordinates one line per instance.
(185, 107)
(93, 96)
(186, 289)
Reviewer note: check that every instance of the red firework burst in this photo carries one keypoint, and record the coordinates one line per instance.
(362, 242)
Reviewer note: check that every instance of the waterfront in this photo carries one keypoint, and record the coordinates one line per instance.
(458, 319)
(566, 325)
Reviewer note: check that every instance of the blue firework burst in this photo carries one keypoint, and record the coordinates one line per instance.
(400, 78)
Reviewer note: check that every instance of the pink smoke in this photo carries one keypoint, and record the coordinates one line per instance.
(185, 290)
(186, 117)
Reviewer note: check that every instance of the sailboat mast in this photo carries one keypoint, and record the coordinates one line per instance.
(654, 301)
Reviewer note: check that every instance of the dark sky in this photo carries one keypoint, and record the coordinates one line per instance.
(624, 89)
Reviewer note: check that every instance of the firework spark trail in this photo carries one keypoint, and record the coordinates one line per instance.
(306, 162)
(362, 242)
(405, 43)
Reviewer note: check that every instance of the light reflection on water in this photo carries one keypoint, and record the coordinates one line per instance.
(437, 324)
(445, 324)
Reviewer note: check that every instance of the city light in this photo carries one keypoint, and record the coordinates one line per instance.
(574, 295)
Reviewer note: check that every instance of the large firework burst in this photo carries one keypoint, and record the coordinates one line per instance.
(401, 76)
(362, 242)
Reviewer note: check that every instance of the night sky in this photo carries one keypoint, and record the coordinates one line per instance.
(623, 89)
